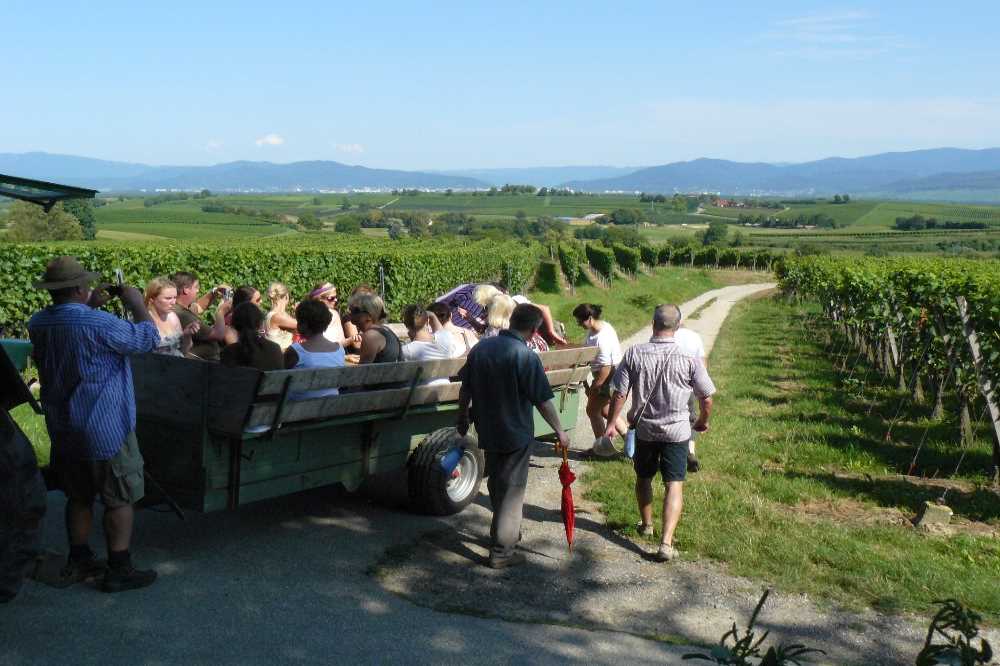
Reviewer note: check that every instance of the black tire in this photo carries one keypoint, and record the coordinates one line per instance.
(428, 485)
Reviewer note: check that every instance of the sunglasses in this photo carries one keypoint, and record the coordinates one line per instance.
(330, 299)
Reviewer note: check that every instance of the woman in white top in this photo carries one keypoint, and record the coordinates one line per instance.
(161, 297)
(326, 293)
(315, 350)
(429, 341)
(462, 339)
(279, 326)
(602, 335)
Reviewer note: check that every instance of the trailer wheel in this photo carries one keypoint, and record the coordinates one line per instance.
(430, 489)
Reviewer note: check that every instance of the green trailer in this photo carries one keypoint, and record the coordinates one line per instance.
(216, 438)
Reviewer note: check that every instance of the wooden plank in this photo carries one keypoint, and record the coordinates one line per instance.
(566, 358)
(173, 389)
(360, 375)
(263, 414)
(386, 373)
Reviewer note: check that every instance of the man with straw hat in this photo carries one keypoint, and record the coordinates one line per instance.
(89, 403)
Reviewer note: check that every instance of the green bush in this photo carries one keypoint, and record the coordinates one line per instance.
(601, 259)
(571, 259)
(414, 271)
(626, 257)
(649, 255)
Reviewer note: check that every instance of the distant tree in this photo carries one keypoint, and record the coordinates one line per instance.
(715, 234)
(448, 192)
(28, 222)
(846, 198)
(492, 192)
(310, 221)
(316, 201)
(521, 216)
(837, 199)
(627, 216)
(396, 231)
(544, 192)
(348, 225)
(205, 194)
(345, 204)
(679, 203)
(83, 211)
(737, 240)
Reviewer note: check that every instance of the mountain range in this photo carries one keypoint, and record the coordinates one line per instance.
(946, 173)
(885, 174)
(231, 176)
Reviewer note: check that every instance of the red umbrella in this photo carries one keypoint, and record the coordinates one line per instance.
(567, 477)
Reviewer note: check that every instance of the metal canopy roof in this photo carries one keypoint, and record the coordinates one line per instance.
(40, 192)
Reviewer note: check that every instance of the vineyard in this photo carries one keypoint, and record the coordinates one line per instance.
(404, 271)
(929, 325)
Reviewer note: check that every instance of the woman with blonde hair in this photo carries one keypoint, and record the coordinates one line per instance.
(498, 311)
(161, 297)
(279, 326)
(467, 303)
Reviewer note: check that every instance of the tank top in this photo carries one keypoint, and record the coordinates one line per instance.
(277, 335)
(392, 352)
(308, 359)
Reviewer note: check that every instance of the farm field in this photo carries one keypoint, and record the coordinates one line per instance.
(184, 220)
(884, 214)
(805, 490)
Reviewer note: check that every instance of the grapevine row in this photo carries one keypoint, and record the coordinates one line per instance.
(924, 322)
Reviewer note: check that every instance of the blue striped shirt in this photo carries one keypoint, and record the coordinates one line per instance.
(87, 394)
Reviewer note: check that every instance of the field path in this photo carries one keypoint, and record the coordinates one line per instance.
(609, 583)
(707, 323)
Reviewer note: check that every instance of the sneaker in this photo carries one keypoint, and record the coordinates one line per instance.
(78, 571)
(693, 464)
(643, 529)
(666, 553)
(127, 578)
(503, 562)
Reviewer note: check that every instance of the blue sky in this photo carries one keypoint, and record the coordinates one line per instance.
(452, 85)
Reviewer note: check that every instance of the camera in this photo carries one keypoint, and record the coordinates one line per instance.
(227, 294)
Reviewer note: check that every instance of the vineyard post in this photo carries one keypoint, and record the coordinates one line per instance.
(985, 383)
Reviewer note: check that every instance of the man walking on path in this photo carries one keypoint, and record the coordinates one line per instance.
(89, 404)
(691, 343)
(504, 381)
(662, 377)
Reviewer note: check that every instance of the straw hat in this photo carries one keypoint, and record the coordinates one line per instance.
(65, 272)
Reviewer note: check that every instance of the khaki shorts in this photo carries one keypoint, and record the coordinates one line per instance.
(118, 482)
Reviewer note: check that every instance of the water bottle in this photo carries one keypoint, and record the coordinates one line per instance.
(630, 443)
(451, 458)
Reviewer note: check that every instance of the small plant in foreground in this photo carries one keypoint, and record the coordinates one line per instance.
(958, 627)
(747, 647)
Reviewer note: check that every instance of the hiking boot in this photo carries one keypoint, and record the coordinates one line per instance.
(127, 578)
(78, 571)
(666, 552)
(643, 529)
(693, 464)
(502, 562)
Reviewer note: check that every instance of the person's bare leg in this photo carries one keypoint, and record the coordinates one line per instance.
(621, 425)
(79, 522)
(597, 409)
(673, 504)
(644, 498)
(549, 327)
(118, 527)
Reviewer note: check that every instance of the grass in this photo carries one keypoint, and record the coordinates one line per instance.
(33, 426)
(799, 489)
(628, 304)
(182, 220)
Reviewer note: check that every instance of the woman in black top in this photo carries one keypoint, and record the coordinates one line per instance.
(251, 349)
(378, 343)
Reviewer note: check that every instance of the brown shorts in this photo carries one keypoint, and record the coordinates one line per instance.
(118, 481)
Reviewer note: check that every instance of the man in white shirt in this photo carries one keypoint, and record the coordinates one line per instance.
(690, 342)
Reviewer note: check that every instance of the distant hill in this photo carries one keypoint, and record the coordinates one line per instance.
(886, 173)
(542, 176)
(232, 176)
